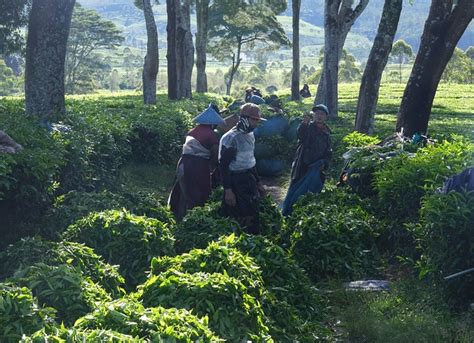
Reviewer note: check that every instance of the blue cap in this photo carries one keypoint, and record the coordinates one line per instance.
(209, 117)
(321, 107)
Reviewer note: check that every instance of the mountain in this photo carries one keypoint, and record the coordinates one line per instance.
(130, 19)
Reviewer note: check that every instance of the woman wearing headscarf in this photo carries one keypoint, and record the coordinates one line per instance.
(199, 158)
(313, 154)
(242, 189)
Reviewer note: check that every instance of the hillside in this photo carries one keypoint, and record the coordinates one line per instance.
(413, 16)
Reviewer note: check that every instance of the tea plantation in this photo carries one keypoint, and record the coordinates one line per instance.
(89, 251)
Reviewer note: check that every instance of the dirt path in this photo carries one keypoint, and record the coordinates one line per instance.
(276, 186)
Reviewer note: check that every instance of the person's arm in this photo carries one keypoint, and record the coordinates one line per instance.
(214, 156)
(328, 153)
(227, 156)
(302, 130)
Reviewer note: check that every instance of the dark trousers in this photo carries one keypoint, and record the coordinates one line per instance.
(244, 186)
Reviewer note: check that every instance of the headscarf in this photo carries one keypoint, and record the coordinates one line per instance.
(243, 125)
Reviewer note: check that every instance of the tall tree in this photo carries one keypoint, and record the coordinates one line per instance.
(447, 20)
(184, 49)
(295, 75)
(237, 24)
(171, 27)
(89, 32)
(401, 51)
(150, 67)
(202, 19)
(48, 30)
(14, 16)
(378, 57)
(339, 16)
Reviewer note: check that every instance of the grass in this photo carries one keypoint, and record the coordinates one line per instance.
(410, 312)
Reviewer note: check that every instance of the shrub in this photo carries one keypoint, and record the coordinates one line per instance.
(29, 251)
(20, 313)
(155, 324)
(63, 288)
(73, 335)
(291, 303)
(27, 178)
(402, 181)
(215, 258)
(124, 239)
(202, 225)
(233, 313)
(357, 139)
(332, 236)
(445, 236)
(271, 219)
(72, 206)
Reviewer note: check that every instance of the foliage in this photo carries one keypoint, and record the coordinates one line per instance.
(292, 305)
(14, 17)
(233, 313)
(270, 218)
(410, 312)
(27, 179)
(73, 335)
(401, 52)
(9, 83)
(357, 139)
(459, 68)
(445, 236)
(62, 287)
(202, 225)
(20, 313)
(156, 324)
(88, 32)
(29, 251)
(403, 180)
(72, 206)
(332, 235)
(124, 239)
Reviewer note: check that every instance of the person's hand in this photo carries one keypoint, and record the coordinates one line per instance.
(306, 119)
(261, 190)
(229, 197)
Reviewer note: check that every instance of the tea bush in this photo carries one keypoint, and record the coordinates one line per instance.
(20, 313)
(29, 251)
(445, 237)
(155, 324)
(215, 258)
(335, 238)
(63, 288)
(402, 181)
(293, 306)
(124, 239)
(73, 335)
(72, 206)
(27, 178)
(202, 225)
(233, 313)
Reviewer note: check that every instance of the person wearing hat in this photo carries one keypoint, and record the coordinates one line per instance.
(242, 189)
(199, 157)
(313, 155)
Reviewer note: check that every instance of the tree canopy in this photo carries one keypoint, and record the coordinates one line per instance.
(14, 16)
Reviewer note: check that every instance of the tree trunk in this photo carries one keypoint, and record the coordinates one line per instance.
(150, 68)
(338, 20)
(378, 57)
(184, 50)
(202, 18)
(233, 69)
(171, 52)
(295, 75)
(48, 31)
(443, 29)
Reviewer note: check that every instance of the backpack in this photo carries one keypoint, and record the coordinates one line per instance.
(463, 181)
